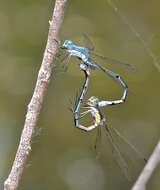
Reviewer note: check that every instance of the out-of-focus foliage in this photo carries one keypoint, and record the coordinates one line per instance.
(64, 157)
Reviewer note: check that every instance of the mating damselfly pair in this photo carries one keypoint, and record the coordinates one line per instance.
(93, 104)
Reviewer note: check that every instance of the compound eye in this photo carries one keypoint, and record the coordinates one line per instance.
(69, 42)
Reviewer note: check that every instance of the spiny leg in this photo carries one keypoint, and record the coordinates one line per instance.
(78, 125)
(84, 113)
(96, 118)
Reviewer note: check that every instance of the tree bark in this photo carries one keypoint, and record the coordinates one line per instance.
(34, 107)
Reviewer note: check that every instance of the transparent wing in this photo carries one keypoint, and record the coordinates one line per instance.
(61, 54)
(117, 154)
(130, 145)
(62, 60)
(123, 65)
(88, 42)
(91, 47)
(66, 63)
(98, 142)
(73, 102)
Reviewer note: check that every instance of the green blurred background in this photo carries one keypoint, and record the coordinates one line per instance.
(63, 157)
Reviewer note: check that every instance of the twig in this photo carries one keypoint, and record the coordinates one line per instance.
(35, 104)
(148, 169)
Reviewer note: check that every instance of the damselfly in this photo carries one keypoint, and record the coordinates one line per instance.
(82, 53)
(93, 106)
(87, 51)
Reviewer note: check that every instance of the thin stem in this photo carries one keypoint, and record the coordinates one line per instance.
(34, 107)
(149, 168)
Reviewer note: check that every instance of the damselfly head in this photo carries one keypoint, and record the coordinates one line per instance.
(68, 44)
(92, 101)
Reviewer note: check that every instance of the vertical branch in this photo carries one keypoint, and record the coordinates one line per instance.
(148, 169)
(35, 104)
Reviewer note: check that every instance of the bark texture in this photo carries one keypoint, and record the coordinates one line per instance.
(34, 107)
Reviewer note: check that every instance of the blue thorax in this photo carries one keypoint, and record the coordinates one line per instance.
(77, 51)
